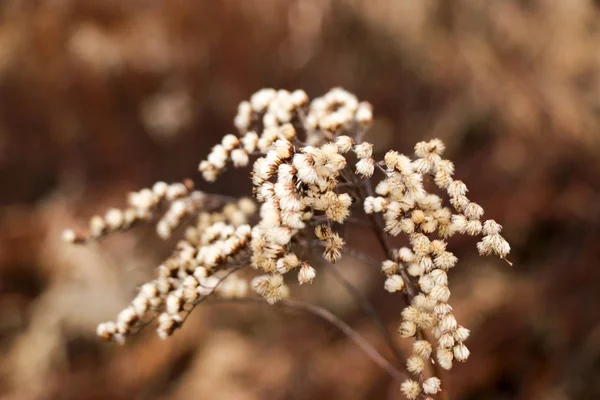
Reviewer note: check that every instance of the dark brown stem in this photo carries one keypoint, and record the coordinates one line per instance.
(409, 292)
(369, 310)
(378, 228)
(334, 320)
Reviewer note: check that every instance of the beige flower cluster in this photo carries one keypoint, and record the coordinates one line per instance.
(408, 208)
(141, 206)
(192, 272)
(311, 170)
(293, 187)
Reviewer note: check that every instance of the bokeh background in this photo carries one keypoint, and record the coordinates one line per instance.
(99, 97)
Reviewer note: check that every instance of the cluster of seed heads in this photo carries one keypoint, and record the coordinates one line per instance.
(309, 169)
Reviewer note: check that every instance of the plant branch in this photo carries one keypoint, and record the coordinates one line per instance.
(334, 320)
(368, 309)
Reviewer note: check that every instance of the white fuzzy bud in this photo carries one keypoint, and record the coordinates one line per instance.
(389, 267)
(415, 365)
(69, 236)
(306, 274)
(432, 385)
(445, 357)
(461, 352)
(410, 389)
(422, 348)
(394, 283)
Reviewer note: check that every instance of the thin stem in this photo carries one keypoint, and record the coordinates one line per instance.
(409, 292)
(205, 297)
(369, 310)
(346, 250)
(359, 256)
(378, 228)
(334, 320)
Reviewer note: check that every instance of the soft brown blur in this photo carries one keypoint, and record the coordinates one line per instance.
(98, 97)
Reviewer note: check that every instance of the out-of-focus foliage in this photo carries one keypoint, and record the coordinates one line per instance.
(98, 97)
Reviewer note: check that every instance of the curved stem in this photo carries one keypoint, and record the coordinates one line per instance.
(334, 320)
(369, 310)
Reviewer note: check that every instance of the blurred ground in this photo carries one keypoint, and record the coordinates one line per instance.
(98, 97)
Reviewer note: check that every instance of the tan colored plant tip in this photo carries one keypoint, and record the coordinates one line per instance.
(312, 174)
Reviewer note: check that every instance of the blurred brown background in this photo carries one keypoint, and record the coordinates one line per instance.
(98, 97)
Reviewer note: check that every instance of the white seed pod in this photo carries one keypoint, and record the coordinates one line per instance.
(410, 313)
(445, 260)
(457, 188)
(432, 385)
(174, 304)
(69, 236)
(406, 255)
(410, 389)
(344, 143)
(439, 277)
(461, 352)
(491, 227)
(141, 305)
(230, 142)
(364, 113)
(493, 244)
(422, 348)
(446, 341)
(149, 290)
(160, 189)
(440, 293)
(473, 228)
(461, 334)
(448, 323)
(445, 357)
(106, 330)
(423, 302)
(97, 226)
(458, 224)
(426, 283)
(389, 267)
(365, 167)
(420, 244)
(394, 283)
(426, 263)
(306, 274)
(364, 150)
(473, 211)
(442, 309)
(114, 219)
(125, 319)
(250, 142)
(239, 157)
(407, 329)
(415, 365)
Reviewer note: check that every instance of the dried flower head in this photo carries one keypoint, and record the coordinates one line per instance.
(311, 172)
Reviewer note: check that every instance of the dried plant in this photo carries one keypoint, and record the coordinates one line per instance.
(312, 173)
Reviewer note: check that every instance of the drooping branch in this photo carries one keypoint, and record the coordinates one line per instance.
(334, 320)
(368, 309)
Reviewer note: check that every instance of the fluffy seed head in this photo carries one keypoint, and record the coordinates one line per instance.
(432, 385)
(410, 389)
(422, 348)
(394, 283)
(415, 364)
(445, 357)
(306, 274)
(461, 352)
(389, 267)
